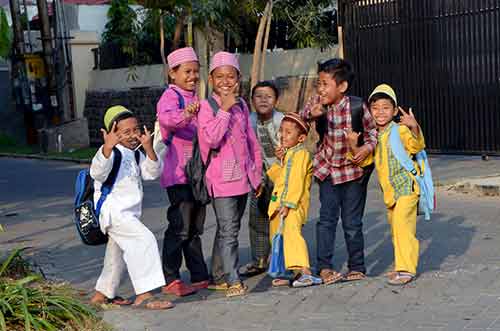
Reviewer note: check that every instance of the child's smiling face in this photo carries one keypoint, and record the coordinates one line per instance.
(290, 134)
(383, 111)
(186, 75)
(264, 100)
(328, 90)
(128, 130)
(223, 79)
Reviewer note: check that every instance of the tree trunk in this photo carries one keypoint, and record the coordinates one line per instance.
(258, 47)
(266, 41)
(162, 48)
(179, 25)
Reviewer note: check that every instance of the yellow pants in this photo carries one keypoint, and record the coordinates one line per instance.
(403, 220)
(294, 245)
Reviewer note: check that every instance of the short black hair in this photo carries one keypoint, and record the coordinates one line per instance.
(340, 70)
(266, 83)
(121, 117)
(381, 96)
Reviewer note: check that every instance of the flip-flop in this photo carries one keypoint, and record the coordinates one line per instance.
(330, 276)
(307, 280)
(178, 288)
(280, 282)
(401, 278)
(152, 300)
(119, 301)
(237, 289)
(354, 276)
(250, 269)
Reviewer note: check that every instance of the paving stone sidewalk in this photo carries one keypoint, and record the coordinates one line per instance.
(458, 286)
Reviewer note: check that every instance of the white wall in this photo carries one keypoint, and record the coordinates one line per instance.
(297, 62)
(83, 62)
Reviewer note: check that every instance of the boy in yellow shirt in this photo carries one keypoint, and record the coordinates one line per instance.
(400, 189)
(290, 198)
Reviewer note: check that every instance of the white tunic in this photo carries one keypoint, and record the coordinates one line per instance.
(130, 243)
(126, 196)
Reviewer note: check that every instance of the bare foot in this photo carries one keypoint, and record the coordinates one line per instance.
(98, 298)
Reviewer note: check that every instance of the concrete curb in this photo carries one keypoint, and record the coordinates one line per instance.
(45, 158)
(486, 185)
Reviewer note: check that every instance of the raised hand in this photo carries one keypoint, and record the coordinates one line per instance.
(146, 141)
(279, 152)
(192, 109)
(408, 119)
(111, 139)
(231, 98)
(352, 139)
(317, 110)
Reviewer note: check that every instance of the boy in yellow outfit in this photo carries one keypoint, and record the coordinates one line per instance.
(400, 189)
(290, 198)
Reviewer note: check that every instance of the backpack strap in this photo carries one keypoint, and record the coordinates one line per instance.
(107, 186)
(137, 155)
(214, 105)
(357, 112)
(182, 105)
(400, 152)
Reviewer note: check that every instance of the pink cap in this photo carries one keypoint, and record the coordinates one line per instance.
(224, 59)
(180, 56)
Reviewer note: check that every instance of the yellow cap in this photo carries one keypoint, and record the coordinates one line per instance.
(112, 113)
(387, 90)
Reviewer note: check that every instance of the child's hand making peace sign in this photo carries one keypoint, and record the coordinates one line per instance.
(408, 119)
(146, 141)
(111, 139)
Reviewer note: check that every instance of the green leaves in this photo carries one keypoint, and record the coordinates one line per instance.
(38, 306)
(5, 37)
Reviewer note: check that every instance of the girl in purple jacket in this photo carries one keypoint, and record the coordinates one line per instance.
(176, 111)
(225, 133)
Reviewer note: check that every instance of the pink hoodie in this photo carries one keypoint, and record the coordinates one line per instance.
(237, 166)
(172, 120)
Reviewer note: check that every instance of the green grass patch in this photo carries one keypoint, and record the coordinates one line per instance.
(80, 154)
(28, 302)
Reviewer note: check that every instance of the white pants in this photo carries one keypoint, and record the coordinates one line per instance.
(131, 244)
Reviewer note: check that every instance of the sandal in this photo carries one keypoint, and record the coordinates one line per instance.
(200, 285)
(178, 288)
(250, 269)
(330, 276)
(307, 280)
(152, 303)
(237, 289)
(353, 276)
(401, 278)
(280, 282)
(119, 301)
(218, 286)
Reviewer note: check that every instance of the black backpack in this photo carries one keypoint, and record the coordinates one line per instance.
(195, 168)
(356, 120)
(86, 216)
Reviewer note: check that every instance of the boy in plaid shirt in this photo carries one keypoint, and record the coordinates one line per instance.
(343, 184)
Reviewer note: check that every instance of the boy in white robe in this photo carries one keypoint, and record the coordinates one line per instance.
(130, 243)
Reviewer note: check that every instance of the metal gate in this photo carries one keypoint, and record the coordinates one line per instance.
(443, 59)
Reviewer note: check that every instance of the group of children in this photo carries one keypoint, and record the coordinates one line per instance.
(260, 155)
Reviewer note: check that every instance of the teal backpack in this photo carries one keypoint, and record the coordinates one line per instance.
(427, 201)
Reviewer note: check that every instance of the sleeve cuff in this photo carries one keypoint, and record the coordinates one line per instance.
(99, 156)
(290, 205)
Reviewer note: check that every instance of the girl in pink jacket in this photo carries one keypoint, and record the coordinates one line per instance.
(235, 165)
(176, 111)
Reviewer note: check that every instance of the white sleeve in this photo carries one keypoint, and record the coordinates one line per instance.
(150, 170)
(101, 166)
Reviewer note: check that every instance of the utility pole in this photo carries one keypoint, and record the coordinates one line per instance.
(19, 79)
(48, 54)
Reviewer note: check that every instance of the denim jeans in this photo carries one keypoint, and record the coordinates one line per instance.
(225, 255)
(346, 200)
(186, 219)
